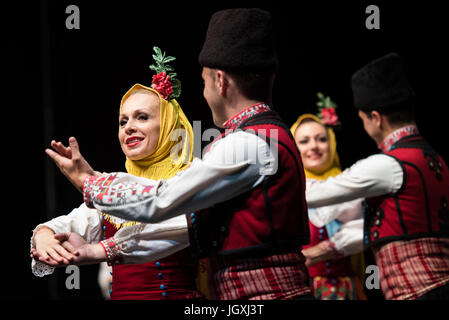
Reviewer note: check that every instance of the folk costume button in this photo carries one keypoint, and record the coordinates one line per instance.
(158, 264)
(375, 234)
(164, 294)
(160, 275)
(377, 222)
(431, 164)
(162, 286)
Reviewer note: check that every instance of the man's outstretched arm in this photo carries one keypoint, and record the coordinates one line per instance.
(204, 184)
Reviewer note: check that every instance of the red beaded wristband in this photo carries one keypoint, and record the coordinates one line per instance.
(112, 251)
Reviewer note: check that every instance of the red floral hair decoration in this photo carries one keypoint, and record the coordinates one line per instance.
(161, 83)
(164, 81)
(326, 111)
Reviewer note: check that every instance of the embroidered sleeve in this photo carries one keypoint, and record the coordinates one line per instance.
(115, 189)
(40, 269)
(206, 182)
(112, 250)
(141, 243)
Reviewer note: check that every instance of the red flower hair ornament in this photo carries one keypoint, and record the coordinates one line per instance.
(165, 81)
(326, 111)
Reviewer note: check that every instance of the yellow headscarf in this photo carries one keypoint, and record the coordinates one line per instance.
(162, 163)
(332, 167)
(169, 156)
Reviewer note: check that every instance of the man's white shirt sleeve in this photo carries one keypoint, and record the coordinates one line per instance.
(374, 176)
(229, 169)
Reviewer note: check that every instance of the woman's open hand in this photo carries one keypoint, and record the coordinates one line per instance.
(70, 161)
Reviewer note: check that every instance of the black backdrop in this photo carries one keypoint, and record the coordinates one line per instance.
(61, 83)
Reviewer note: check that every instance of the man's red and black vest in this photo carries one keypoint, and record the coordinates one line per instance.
(270, 218)
(420, 207)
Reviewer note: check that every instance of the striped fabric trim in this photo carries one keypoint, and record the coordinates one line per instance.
(409, 269)
(281, 276)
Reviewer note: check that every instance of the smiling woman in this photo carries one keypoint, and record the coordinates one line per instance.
(139, 124)
(313, 142)
(332, 273)
(147, 124)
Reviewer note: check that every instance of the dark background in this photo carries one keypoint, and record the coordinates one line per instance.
(60, 83)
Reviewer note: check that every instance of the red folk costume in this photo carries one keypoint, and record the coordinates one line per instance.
(124, 240)
(256, 236)
(172, 277)
(335, 278)
(409, 229)
(255, 239)
(255, 222)
(169, 278)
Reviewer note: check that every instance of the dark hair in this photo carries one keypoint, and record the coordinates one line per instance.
(254, 84)
(398, 114)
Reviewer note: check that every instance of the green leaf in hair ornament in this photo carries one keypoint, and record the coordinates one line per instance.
(326, 110)
(164, 81)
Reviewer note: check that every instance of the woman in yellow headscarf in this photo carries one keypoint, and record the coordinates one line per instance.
(157, 140)
(332, 274)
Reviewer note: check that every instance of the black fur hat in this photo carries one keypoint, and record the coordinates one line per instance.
(381, 83)
(239, 39)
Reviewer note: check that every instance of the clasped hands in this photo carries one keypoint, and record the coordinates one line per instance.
(67, 248)
(62, 249)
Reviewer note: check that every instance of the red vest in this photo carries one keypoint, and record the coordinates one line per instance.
(420, 207)
(170, 278)
(340, 267)
(271, 218)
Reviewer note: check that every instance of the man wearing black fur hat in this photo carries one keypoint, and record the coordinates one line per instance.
(246, 198)
(406, 187)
